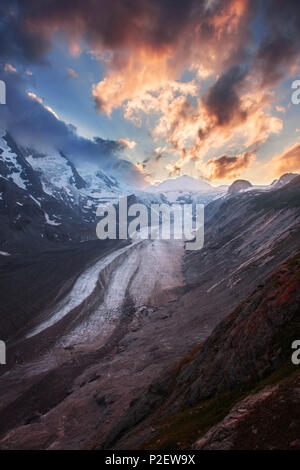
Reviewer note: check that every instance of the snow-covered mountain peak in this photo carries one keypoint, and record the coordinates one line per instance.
(53, 170)
(14, 166)
(182, 183)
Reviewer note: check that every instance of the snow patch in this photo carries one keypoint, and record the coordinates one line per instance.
(50, 221)
(11, 162)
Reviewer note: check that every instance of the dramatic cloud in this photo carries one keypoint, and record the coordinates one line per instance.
(278, 52)
(171, 37)
(36, 126)
(236, 112)
(17, 42)
(287, 162)
(147, 41)
(203, 71)
(222, 100)
(226, 167)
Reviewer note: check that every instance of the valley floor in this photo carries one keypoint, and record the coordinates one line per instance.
(104, 337)
(111, 334)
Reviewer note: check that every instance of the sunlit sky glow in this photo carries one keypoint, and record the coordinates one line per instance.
(187, 87)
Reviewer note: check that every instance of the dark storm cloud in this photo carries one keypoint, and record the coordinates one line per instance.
(237, 41)
(114, 23)
(26, 28)
(33, 126)
(279, 48)
(154, 24)
(17, 43)
(223, 99)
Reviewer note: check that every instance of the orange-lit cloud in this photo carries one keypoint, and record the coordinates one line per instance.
(194, 128)
(9, 68)
(236, 106)
(142, 66)
(288, 161)
(280, 109)
(130, 144)
(41, 101)
(194, 67)
(228, 167)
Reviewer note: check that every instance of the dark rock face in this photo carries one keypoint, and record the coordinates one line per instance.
(19, 165)
(253, 341)
(32, 219)
(239, 185)
(269, 419)
(249, 344)
(31, 224)
(76, 179)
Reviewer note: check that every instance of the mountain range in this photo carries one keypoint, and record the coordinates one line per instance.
(184, 183)
(126, 345)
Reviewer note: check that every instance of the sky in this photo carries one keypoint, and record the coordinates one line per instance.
(154, 89)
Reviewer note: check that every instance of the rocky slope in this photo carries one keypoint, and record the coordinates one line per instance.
(92, 327)
(250, 350)
(94, 367)
(46, 201)
(32, 218)
(265, 420)
(247, 235)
